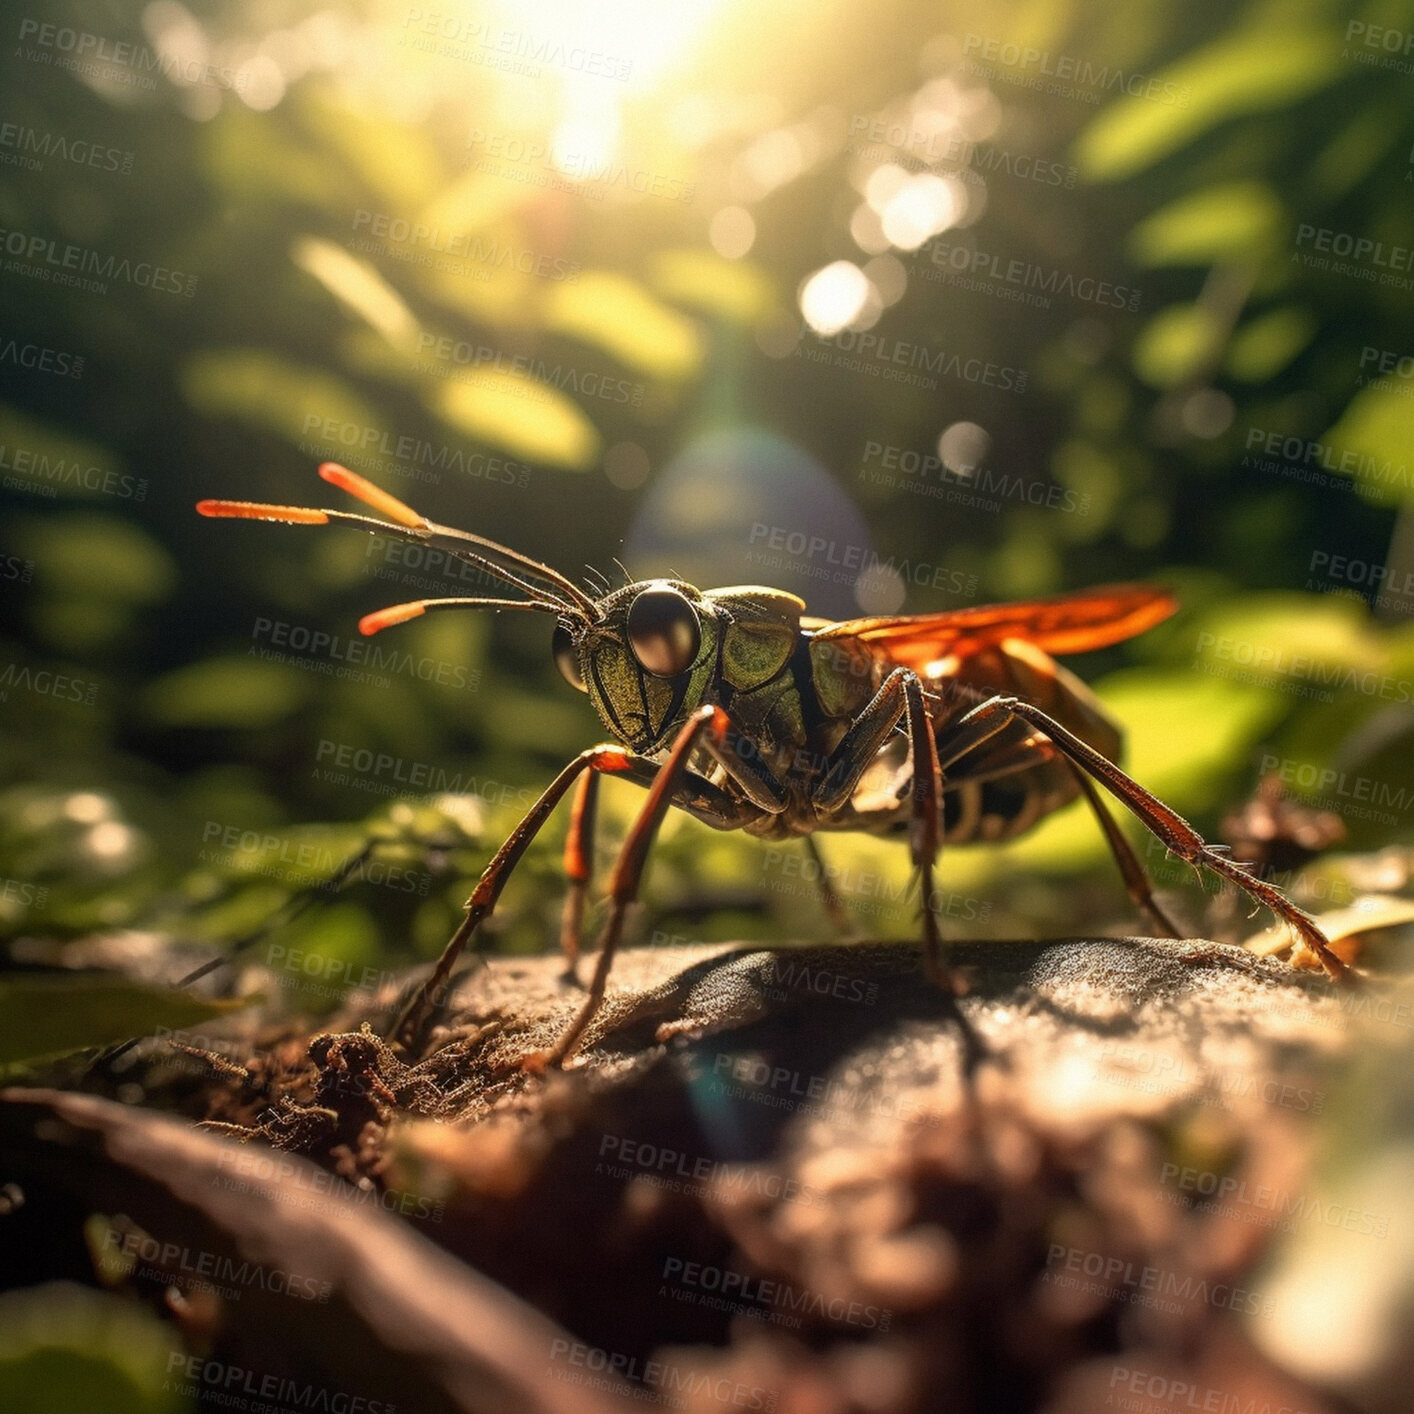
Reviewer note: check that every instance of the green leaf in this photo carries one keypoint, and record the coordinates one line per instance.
(1265, 69)
(265, 390)
(227, 691)
(1353, 154)
(524, 416)
(42, 460)
(65, 1349)
(1263, 346)
(619, 315)
(1174, 345)
(1232, 221)
(1165, 747)
(1372, 444)
(359, 288)
(92, 554)
(42, 1017)
(701, 279)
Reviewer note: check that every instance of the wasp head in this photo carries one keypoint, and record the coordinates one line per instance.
(646, 661)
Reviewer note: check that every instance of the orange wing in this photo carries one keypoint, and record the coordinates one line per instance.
(1069, 623)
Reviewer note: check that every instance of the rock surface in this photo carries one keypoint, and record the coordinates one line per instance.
(767, 1181)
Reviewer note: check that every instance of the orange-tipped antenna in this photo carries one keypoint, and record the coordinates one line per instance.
(403, 514)
(376, 622)
(372, 495)
(256, 510)
(556, 594)
(373, 623)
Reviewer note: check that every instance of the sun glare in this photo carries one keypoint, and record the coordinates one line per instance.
(607, 55)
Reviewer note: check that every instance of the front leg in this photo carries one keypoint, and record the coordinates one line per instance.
(694, 794)
(608, 758)
(579, 868)
(708, 727)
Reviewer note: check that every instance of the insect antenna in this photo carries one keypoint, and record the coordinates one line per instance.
(557, 594)
(372, 495)
(380, 619)
(579, 601)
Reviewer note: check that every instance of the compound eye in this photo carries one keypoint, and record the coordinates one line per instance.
(664, 632)
(567, 657)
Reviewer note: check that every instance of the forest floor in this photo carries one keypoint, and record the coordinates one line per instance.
(790, 1180)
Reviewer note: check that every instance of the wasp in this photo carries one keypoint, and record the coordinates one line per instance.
(737, 707)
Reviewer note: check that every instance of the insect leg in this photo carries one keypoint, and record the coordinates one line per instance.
(829, 895)
(610, 758)
(697, 796)
(967, 735)
(900, 698)
(1136, 881)
(579, 866)
(926, 833)
(869, 731)
(628, 870)
(1171, 828)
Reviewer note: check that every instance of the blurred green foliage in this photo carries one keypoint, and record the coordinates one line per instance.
(594, 336)
(65, 1347)
(45, 1017)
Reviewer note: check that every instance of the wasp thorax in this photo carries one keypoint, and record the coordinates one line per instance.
(663, 631)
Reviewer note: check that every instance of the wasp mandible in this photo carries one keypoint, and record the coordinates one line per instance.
(735, 706)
